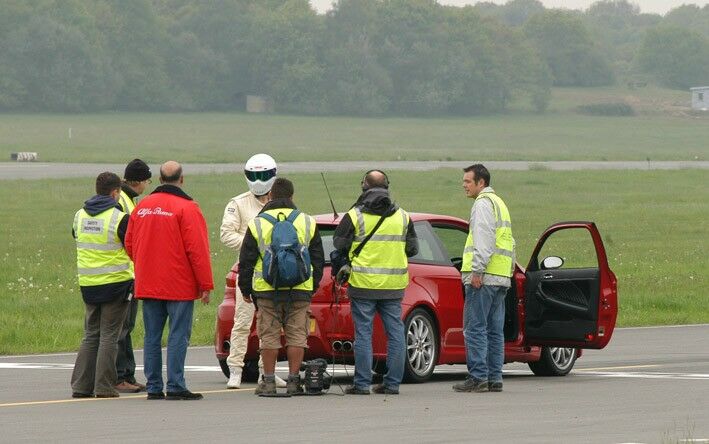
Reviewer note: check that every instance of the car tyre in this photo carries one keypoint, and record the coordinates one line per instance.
(421, 346)
(555, 361)
(249, 374)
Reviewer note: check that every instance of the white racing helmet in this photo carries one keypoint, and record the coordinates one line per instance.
(260, 172)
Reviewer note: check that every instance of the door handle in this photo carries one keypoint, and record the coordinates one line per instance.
(548, 276)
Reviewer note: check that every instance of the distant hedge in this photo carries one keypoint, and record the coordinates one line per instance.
(606, 109)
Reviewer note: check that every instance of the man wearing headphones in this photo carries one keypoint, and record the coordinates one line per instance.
(378, 277)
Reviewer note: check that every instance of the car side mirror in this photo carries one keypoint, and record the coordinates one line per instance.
(552, 262)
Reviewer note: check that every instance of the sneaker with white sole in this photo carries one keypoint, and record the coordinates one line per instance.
(234, 378)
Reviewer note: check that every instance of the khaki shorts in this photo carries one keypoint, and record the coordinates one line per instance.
(269, 317)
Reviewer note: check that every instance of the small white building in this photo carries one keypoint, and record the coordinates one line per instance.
(258, 104)
(700, 98)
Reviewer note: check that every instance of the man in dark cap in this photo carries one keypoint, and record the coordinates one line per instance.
(135, 179)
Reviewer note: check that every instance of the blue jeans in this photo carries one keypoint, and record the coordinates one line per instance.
(155, 313)
(389, 310)
(483, 328)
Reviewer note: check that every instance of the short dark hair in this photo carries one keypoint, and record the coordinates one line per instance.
(175, 177)
(106, 182)
(479, 172)
(282, 189)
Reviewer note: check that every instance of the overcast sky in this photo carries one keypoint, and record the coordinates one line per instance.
(656, 6)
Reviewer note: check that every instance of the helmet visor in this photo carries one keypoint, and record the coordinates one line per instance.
(262, 176)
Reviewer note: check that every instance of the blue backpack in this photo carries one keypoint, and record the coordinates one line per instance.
(286, 261)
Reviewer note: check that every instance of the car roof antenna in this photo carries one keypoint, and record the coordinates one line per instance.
(334, 211)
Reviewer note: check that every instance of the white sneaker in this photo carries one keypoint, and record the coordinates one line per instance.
(234, 378)
(280, 383)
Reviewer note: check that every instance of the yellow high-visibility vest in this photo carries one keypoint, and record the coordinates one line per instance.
(501, 260)
(128, 206)
(261, 230)
(382, 264)
(100, 256)
(126, 202)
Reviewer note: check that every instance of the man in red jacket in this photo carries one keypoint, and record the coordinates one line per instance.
(167, 241)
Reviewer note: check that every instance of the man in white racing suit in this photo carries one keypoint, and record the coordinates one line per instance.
(260, 172)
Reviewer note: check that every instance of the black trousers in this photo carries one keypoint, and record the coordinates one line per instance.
(125, 361)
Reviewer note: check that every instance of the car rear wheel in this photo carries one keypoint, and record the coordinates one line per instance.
(555, 361)
(249, 374)
(421, 346)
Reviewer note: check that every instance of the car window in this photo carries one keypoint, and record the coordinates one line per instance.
(574, 245)
(431, 250)
(326, 236)
(452, 239)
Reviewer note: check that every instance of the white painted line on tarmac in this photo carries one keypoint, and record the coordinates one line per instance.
(680, 376)
(339, 370)
(53, 366)
(40, 355)
(620, 367)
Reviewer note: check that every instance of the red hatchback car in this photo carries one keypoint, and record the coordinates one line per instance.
(564, 301)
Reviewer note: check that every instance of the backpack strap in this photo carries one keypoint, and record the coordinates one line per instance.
(293, 215)
(269, 218)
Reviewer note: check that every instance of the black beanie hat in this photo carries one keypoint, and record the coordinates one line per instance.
(137, 171)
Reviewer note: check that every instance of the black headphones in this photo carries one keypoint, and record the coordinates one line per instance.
(364, 179)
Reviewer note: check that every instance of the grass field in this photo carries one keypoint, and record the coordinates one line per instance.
(654, 225)
(658, 132)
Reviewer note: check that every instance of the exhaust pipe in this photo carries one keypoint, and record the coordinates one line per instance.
(347, 346)
(337, 346)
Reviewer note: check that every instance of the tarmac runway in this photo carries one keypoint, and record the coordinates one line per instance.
(46, 170)
(649, 385)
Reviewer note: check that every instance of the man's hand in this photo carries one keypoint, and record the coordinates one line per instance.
(247, 299)
(476, 280)
(205, 297)
(343, 275)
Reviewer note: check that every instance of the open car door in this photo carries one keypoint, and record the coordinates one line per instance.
(571, 297)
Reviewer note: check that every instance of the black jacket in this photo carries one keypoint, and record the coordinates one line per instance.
(250, 253)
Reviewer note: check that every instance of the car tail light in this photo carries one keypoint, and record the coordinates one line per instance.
(589, 337)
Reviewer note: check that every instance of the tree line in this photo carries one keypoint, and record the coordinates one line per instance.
(364, 57)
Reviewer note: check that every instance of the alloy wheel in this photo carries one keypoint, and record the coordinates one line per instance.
(420, 345)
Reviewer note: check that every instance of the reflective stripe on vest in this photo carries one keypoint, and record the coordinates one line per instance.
(261, 230)
(382, 263)
(126, 203)
(501, 262)
(100, 256)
